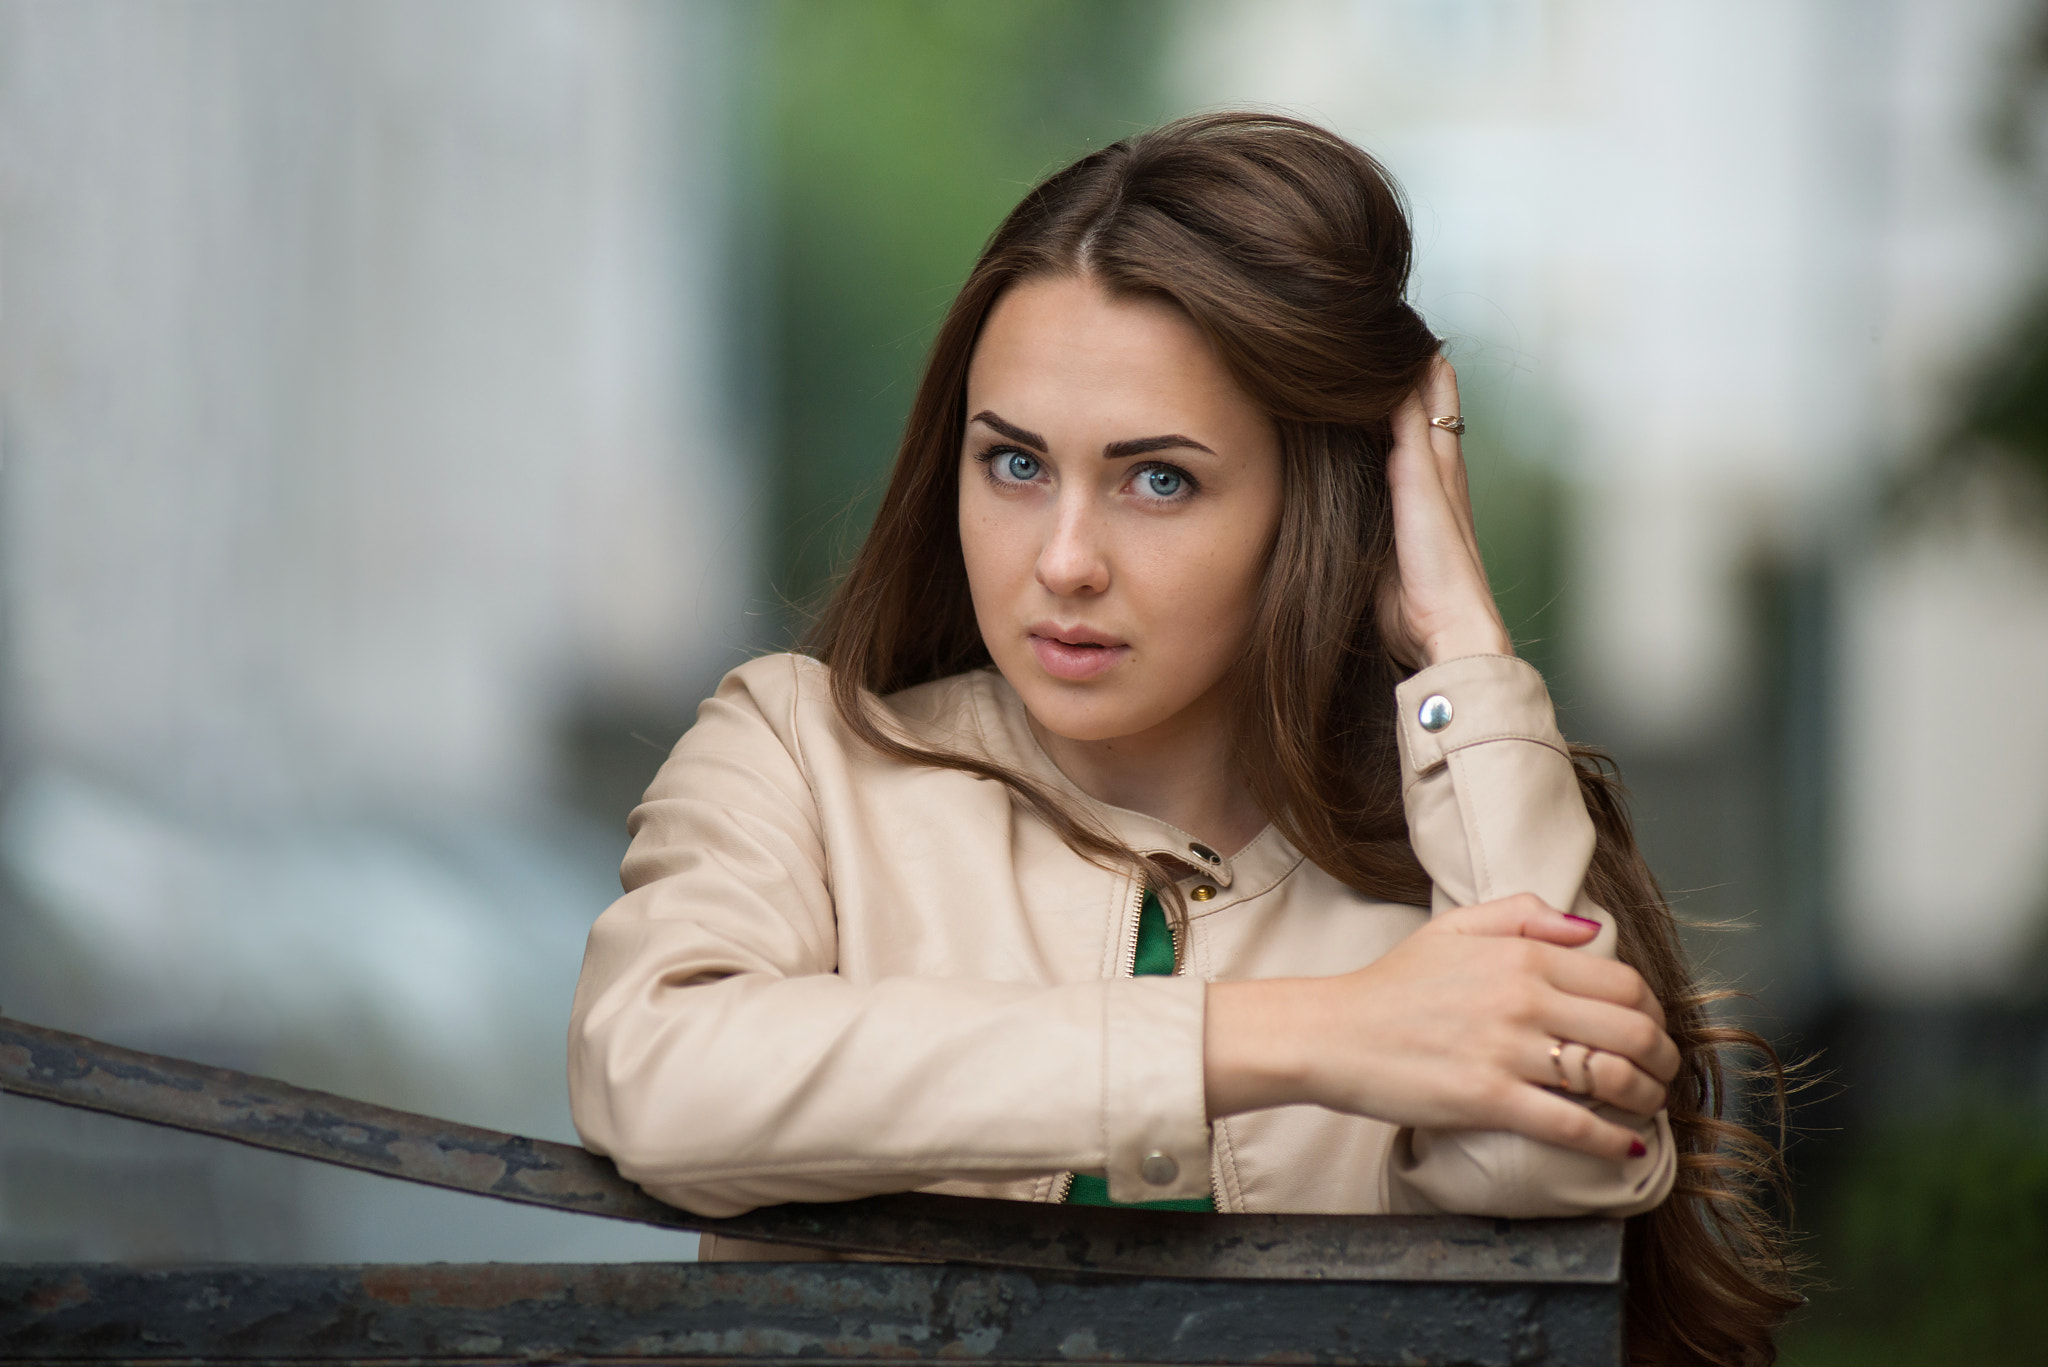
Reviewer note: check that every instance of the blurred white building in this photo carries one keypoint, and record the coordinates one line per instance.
(1739, 257)
(366, 374)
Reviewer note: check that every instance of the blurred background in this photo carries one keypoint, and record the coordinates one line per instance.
(408, 411)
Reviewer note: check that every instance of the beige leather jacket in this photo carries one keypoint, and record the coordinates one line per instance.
(834, 975)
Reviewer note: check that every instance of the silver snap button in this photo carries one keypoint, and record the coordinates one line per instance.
(1158, 1169)
(1204, 853)
(1436, 712)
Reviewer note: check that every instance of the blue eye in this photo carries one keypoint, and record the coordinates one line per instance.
(1164, 483)
(1021, 467)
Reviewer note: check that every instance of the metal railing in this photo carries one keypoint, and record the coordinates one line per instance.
(993, 1281)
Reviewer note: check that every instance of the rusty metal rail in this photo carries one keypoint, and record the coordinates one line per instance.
(1000, 1281)
(780, 1312)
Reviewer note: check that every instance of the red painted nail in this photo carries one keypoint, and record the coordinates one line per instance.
(1636, 1149)
(1574, 916)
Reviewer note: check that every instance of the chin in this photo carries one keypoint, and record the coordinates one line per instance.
(1084, 729)
(1083, 712)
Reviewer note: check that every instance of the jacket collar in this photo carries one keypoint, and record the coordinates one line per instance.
(1005, 734)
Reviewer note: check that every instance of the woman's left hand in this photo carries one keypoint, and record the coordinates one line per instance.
(1439, 606)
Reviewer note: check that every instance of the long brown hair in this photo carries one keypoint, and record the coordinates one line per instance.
(1290, 249)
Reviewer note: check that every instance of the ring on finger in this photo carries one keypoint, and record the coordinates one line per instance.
(1585, 1068)
(1453, 423)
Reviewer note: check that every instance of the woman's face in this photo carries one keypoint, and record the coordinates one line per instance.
(1119, 496)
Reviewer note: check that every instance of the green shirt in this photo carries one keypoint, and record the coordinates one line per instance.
(1155, 957)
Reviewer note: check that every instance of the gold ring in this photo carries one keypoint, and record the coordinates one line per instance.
(1557, 1062)
(1452, 423)
(1586, 1070)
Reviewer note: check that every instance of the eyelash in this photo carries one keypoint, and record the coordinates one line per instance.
(987, 459)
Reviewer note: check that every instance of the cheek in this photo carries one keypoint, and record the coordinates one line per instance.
(991, 544)
(1209, 573)
(1204, 595)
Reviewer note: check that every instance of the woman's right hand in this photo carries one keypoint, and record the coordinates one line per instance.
(1453, 1029)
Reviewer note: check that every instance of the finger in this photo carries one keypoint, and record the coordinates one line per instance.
(1544, 1115)
(1608, 980)
(1426, 513)
(1618, 1030)
(1427, 475)
(1525, 915)
(1562, 929)
(1440, 388)
(1414, 454)
(1443, 401)
(1579, 1070)
(1440, 396)
(1583, 1069)
(1620, 1083)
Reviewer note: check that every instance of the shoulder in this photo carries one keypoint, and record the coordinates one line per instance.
(791, 698)
(770, 767)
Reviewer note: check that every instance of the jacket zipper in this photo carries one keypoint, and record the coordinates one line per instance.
(1064, 1187)
(1136, 921)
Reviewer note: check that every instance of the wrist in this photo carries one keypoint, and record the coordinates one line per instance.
(1254, 1044)
(1457, 645)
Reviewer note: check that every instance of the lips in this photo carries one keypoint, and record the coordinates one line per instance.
(1075, 653)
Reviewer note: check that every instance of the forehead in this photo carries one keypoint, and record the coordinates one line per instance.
(1062, 353)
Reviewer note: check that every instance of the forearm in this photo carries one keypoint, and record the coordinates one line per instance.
(1255, 1044)
(757, 1088)
(1495, 808)
(1446, 1028)
(1492, 798)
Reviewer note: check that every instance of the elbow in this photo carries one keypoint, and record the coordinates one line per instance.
(594, 1099)
(648, 1150)
(609, 1103)
(640, 1116)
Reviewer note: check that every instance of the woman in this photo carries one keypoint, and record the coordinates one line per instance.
(1086, 855)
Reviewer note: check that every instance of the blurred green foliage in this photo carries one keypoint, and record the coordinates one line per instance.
(1518, 510)
(901, 133)
(1933, 1239)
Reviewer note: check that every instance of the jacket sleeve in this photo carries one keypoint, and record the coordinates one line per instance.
(718, 1057)
(1494, 808)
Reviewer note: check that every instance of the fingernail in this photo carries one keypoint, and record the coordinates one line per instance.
(1636, 1149)
(1573, 915)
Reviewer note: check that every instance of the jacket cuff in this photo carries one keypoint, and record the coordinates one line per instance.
(1471, 700)
(1510, 1176)
(1493, 800)
(1155, 1106)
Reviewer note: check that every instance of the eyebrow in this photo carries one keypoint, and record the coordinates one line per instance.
(1010, 430)
(1147, 445)
(1116, 450)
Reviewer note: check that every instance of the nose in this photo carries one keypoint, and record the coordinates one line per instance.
(1072, 560)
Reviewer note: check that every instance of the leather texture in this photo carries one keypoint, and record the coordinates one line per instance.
(834, 975)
